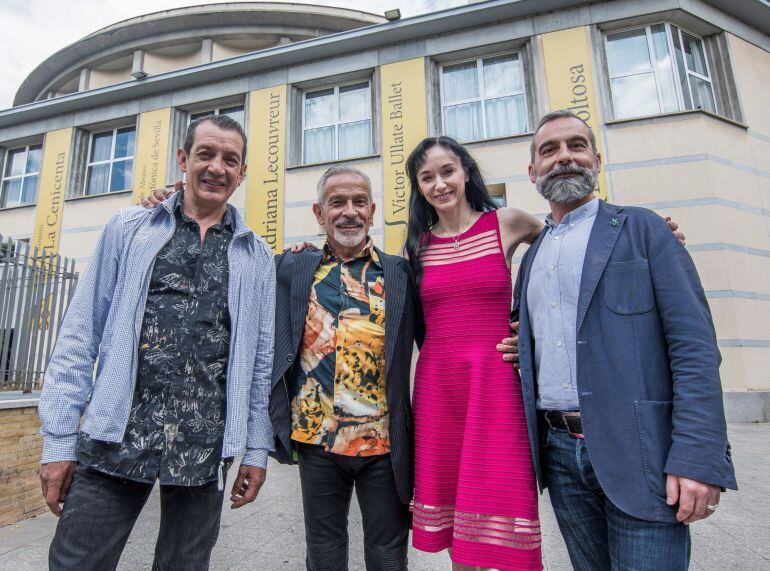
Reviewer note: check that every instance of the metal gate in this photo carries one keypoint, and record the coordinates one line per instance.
(35, 290)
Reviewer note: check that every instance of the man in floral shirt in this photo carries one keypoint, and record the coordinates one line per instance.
(177, 306)
(346, 321)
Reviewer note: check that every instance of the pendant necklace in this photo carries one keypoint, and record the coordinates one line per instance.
(456, 239)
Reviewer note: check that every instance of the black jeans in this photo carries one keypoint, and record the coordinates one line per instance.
(327, 486)
(100, 511)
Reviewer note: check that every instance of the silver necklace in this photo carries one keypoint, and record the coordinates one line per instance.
(456, 240)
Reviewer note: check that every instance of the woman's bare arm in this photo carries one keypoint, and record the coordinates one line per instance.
(516, 227)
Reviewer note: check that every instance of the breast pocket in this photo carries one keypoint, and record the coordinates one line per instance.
(628, 288)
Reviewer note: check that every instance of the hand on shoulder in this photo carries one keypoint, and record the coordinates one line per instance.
(298, 247)
(160, 194)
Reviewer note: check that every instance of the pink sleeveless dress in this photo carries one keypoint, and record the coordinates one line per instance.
(475, 488)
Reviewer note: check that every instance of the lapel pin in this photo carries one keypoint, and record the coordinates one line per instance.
(614, 221)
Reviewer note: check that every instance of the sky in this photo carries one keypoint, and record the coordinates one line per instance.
(35, 29)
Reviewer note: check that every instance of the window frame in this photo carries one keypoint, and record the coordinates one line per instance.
(4, 178)
(479, 60)
(336, 91)
(689, 73)
(110, 161)
(218, 111)
(681, 101)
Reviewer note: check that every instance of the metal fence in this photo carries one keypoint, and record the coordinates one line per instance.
(35, 290)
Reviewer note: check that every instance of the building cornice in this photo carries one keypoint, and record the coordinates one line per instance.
(343, 43)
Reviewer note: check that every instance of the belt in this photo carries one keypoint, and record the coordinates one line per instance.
(565, 420)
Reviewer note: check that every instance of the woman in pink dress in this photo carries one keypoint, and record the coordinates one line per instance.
(475, 490)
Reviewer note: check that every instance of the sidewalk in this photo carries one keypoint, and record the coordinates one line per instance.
(269, 534)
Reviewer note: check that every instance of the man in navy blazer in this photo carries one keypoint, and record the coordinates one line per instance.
(619, 366)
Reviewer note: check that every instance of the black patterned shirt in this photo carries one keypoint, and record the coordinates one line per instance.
(177, 421)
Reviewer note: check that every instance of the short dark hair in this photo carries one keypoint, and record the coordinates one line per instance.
(552, 116)
(224, 122)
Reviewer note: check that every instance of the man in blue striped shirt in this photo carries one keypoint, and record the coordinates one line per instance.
(177, 306)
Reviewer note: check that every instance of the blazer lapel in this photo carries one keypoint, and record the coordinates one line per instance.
(395, 296)
(305, 266)
(609, 221)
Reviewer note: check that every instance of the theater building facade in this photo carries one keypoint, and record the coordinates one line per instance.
(677, 91)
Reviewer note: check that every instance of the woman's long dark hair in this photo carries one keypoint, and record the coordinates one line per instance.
(421, 214)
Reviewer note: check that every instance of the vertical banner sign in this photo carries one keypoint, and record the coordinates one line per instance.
(53, 183)
(404, 125)
(567, 57)
(152, 140)
(265, 177)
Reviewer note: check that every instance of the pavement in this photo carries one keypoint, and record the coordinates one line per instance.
(269, 534)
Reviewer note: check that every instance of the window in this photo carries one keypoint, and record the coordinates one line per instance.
(110, 161)
(236, 112)
(21, 176)
(484, 98)
(337, 123)
(658, 69)
(497, 193)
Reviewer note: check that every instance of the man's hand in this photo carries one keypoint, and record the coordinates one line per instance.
(247, 485)
(160, 194)
(693, 497)
(55, 479)
(296, 248)
(509, 346)
(675, 229)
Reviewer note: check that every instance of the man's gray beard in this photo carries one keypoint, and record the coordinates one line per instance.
(566, 190)
(347, 239)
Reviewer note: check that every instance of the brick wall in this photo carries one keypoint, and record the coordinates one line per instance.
(20, 447)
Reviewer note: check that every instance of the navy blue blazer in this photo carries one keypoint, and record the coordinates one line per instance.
(647, 364)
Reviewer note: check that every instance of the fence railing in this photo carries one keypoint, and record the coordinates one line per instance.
(35, 290)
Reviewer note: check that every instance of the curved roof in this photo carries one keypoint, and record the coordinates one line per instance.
(233, 20)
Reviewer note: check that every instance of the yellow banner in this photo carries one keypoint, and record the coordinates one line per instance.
(567, 55)
(151, 152)
(52, 190)
(265, 159)
(404, 125)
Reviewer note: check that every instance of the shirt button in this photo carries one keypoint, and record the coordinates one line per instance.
(551, 267)
(554, 304)
(556, 237)
(559, 343)
(566, 385)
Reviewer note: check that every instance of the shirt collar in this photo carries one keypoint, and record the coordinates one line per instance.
(576, 216)
(367, 252)
(227, 222)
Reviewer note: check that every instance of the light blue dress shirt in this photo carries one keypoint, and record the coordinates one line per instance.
(552, 300)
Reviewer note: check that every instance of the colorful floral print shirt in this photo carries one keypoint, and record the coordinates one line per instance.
(177, 421)
(340, 381)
